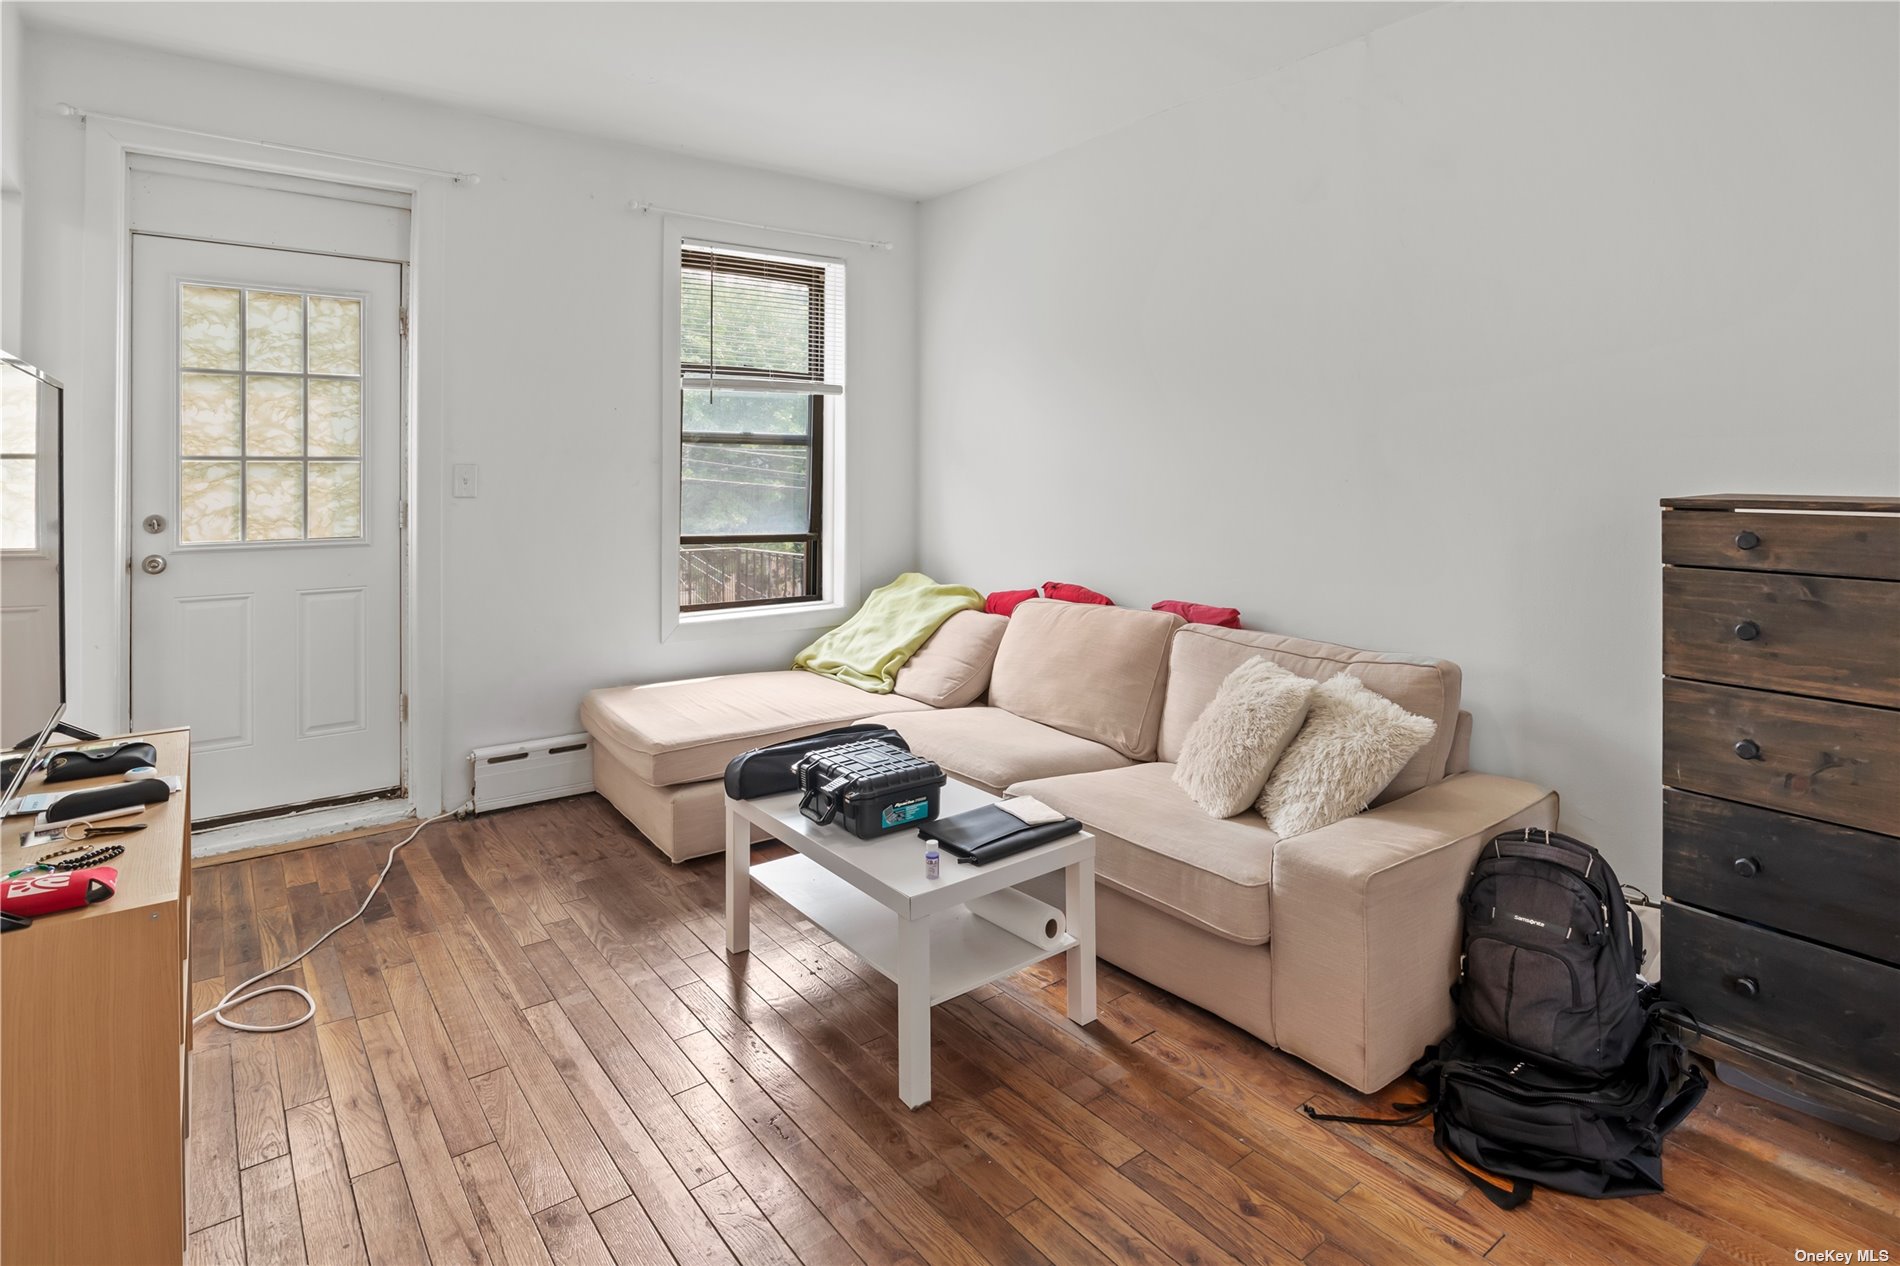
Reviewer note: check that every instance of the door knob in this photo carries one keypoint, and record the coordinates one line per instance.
(1746, 986)
(1748, 749)
(1747, 867)
(153, 564)
(1746, 540)
(154, 523)
(1748, 630)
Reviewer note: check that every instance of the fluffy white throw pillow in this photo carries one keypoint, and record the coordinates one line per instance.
(1233, 745)
(1354, 742)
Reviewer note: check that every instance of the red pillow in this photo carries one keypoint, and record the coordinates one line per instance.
(1201, 613)
(1004, 601)
(1073, 593)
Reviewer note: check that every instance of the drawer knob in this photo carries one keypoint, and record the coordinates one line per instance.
(1747, 867)
(1748, 630)
(1744, 985)
(1748, 749)
(1746, 540)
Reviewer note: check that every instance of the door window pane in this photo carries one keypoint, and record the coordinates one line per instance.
(210, 415)
(209, 502)
(336, 417)
(273, 416)
(273, 331)
(336, 335)
(336, 499)
(208, 326)
(273, 501)
(742, 489)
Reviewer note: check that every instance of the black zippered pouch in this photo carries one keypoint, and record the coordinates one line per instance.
(767, 771)
(71, 765)
(80, 805)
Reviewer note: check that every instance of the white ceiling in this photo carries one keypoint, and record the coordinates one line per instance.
(916, 99)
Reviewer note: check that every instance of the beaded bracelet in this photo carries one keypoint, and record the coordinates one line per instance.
(93, 857)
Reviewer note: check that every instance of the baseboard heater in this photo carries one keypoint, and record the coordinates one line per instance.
(539, 769)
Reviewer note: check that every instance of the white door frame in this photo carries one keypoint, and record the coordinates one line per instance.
(99, 524)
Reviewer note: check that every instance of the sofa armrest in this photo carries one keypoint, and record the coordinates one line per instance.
(1366, 923)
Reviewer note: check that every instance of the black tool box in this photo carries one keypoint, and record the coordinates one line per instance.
(869, 787)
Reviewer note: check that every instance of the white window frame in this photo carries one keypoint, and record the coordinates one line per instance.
(836, 559)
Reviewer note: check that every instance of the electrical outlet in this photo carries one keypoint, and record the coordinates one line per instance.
(466, 480)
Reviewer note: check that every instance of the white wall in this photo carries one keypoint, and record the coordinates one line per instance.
(547, 303)
(1400, 345)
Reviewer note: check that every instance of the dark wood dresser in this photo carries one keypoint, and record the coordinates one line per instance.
(1781, 807)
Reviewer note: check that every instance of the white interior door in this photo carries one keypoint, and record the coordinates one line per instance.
(266, 545)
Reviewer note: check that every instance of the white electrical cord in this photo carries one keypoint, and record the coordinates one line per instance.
(232, 999)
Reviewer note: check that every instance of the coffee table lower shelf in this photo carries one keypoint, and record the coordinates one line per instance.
(966, 950)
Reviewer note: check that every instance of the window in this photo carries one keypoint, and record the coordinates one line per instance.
(19, 459)
(270, 415)
(761, 342)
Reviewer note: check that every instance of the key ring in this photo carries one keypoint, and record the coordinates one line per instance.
(89, 829)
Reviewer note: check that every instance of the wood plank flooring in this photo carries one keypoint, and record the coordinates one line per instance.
(535, 1049)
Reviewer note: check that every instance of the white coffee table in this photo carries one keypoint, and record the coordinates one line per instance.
(873, 897)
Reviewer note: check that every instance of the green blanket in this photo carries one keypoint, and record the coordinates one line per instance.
(867, 650)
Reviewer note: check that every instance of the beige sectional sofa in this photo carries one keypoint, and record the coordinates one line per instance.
(1338, 946)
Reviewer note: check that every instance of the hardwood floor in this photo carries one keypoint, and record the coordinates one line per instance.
(534, 1048)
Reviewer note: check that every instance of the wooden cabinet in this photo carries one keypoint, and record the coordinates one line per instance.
(1781, 817)
(93, 1039)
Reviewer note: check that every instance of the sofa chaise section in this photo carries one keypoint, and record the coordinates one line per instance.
(661, 750)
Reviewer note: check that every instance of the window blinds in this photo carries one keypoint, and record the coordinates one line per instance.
(756, 322)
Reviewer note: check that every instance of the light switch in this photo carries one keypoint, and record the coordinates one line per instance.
(466, 480)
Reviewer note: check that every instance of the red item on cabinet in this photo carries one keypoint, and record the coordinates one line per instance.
(48, 892)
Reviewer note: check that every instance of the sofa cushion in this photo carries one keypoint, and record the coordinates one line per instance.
(1353, 743)
(993, 748)
(1096, 672)
(1202, 657)
(1232, 748)
(685, 731)
(953, 667)
(1156, 845)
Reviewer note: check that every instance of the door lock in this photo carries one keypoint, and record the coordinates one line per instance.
(153, 564)
(154, 523)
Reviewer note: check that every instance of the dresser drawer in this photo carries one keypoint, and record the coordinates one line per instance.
(1811, 635)
(1839, 762)
(1827, 883)
(1867, 546)
(1817, 1004)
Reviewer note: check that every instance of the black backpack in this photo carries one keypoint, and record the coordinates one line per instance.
(1551, 953)
(1589, 1135)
